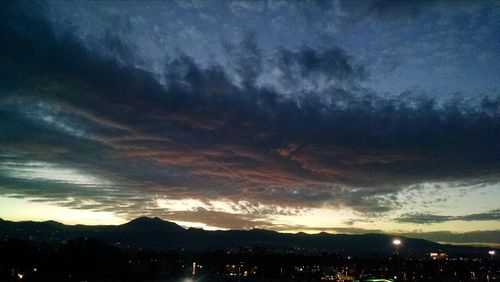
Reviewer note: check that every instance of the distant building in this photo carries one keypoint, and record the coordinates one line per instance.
(438, 255)
(241, 269)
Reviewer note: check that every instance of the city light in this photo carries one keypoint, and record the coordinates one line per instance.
(396, 242)
(492, 253)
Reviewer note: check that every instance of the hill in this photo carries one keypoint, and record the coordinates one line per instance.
(157, 234)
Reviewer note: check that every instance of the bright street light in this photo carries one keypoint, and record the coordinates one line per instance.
(396, 243)
(492, 255)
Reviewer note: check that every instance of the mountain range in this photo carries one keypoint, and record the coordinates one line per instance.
(157, 234)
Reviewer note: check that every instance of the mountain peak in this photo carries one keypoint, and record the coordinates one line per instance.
(145, 223)
(144, 219)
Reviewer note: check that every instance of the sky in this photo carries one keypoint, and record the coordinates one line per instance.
(295, 116)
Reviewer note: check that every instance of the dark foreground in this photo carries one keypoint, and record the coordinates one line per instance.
(91, 260)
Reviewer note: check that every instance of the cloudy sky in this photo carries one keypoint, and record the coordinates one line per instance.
(336, 116)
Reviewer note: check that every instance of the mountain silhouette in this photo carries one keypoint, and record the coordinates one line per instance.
(149, 224)
(157, 234)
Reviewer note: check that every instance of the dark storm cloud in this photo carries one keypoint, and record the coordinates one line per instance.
(196, 133)
(421, 218)
(392, 9)
(247, 59)
(333, 63)
(317, 69)
(424, 218)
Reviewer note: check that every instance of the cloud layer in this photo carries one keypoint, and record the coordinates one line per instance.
(421, 218)
(288, 129)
